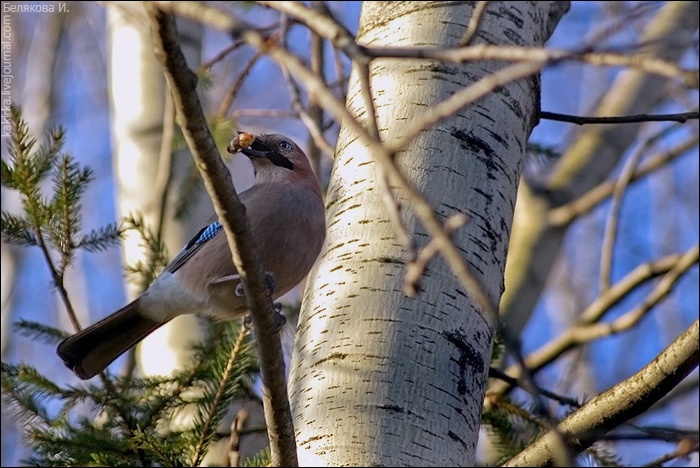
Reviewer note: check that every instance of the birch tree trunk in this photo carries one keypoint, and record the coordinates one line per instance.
(380, 378)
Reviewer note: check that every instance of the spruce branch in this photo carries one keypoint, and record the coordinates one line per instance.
(101, 238)
(212, 418)
(143, 272)
(39, 331)
(50, 223)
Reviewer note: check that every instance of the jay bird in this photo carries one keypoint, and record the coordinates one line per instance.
(286, 215)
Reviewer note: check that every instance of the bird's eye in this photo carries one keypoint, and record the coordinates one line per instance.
(285, 145)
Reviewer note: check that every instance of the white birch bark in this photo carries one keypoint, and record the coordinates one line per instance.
(379, 378)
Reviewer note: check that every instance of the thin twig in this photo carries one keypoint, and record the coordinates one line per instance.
(640, 61)
(497, 374)
(236, 86)
(320, 23)
(315, 131)
(565, 214)
(620, 187)
(220, 56)
(309, 122)
(343, 40)
(416, 267)
(466, 96)
(164, 176)
(629, 319)
(685, 448)
(474, 22)
(57, 277)
(608, 29)
(610, 231)
(317, 57)
(588, 327)
(391, 202)
(341, 79)
(584, 120)
(267, 113)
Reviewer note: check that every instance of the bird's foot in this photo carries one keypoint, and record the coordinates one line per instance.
(280, 318)
(269, 281)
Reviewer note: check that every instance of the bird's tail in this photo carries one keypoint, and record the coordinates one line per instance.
(90, 351)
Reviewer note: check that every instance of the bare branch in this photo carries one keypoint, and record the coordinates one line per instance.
(311, 123)
(320, 23)
(610, 233)
(583, 120)
(641, 62)
(273, 113)
(565, 214)
(632, 317)
(343, 40)
(497, 374)
(164, 177)
(415, 268)
(466, 96)
(619, 189)
(619, 404)
(236, 86)
(685, 448)
(231, 212)
(587, 328)
(317, 48)
(220, 56)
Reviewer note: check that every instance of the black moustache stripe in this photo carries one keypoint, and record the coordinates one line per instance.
(279, 160)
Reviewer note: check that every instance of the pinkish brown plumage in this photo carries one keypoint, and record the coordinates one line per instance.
(286, 215)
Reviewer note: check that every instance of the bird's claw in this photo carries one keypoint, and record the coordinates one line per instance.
(280, 318)
(269, 281)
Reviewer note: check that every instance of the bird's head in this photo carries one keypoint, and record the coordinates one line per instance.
(274, 157)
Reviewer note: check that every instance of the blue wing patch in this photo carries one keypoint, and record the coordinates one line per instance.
(209, 232)
(204, 235)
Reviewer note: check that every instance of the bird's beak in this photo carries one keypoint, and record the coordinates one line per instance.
(258, 149)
